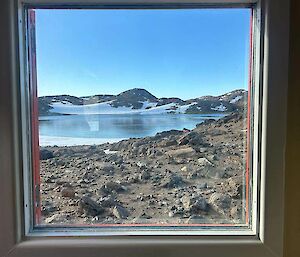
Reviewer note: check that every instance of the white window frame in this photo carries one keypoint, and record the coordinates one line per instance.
(15, 237)
(27, 40)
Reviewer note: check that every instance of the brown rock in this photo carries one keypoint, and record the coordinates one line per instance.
(182, 152)
(68, 192)
(90, 207)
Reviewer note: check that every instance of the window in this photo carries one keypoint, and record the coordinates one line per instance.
(263, 146)
(149, 134)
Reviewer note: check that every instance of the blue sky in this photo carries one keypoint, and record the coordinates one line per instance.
(180, 53)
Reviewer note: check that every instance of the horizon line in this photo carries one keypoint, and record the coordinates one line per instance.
(142, 89)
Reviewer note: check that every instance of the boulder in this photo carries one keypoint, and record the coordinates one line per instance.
(235, 186)
(46, 154)
(68, 192)
(192, 175)
(181, 153)
(145, 175)
(220, 202)
(202, 185)
(173, 181)
(165, 134)
(90, 207)
(167, 143)
(205, 122)
(111, 187)
(107, 168)
(47, 208)
(186, 202)
(120, 212)
(236, 212)
(192, 138)
(214, 173)
(107, 201)
(54, 218)
(141, 165)
(195, 204)
(204, 162)
(199, 204)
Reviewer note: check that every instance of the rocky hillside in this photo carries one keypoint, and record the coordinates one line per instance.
(177, 176)
(140, 101)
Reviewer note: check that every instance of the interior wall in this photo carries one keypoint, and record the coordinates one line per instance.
(292, 177)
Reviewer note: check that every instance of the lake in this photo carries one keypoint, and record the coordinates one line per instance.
(96, 129)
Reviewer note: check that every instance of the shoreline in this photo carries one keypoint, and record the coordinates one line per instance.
(74, 141)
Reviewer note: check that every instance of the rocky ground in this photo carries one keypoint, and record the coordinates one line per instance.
(182, 177)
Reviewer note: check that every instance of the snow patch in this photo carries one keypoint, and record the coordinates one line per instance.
(220, 108)
(106, 108)
(159, 109)
(183, 108)
(237, 98)
(55, 101)
(147, 104)
(107, 151)
(98, 108)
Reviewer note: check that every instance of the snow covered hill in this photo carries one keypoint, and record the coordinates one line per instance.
(140, 101)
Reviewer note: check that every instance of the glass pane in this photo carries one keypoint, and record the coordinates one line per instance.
(142, 116)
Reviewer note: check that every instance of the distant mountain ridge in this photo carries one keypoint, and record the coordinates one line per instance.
(139, 100)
